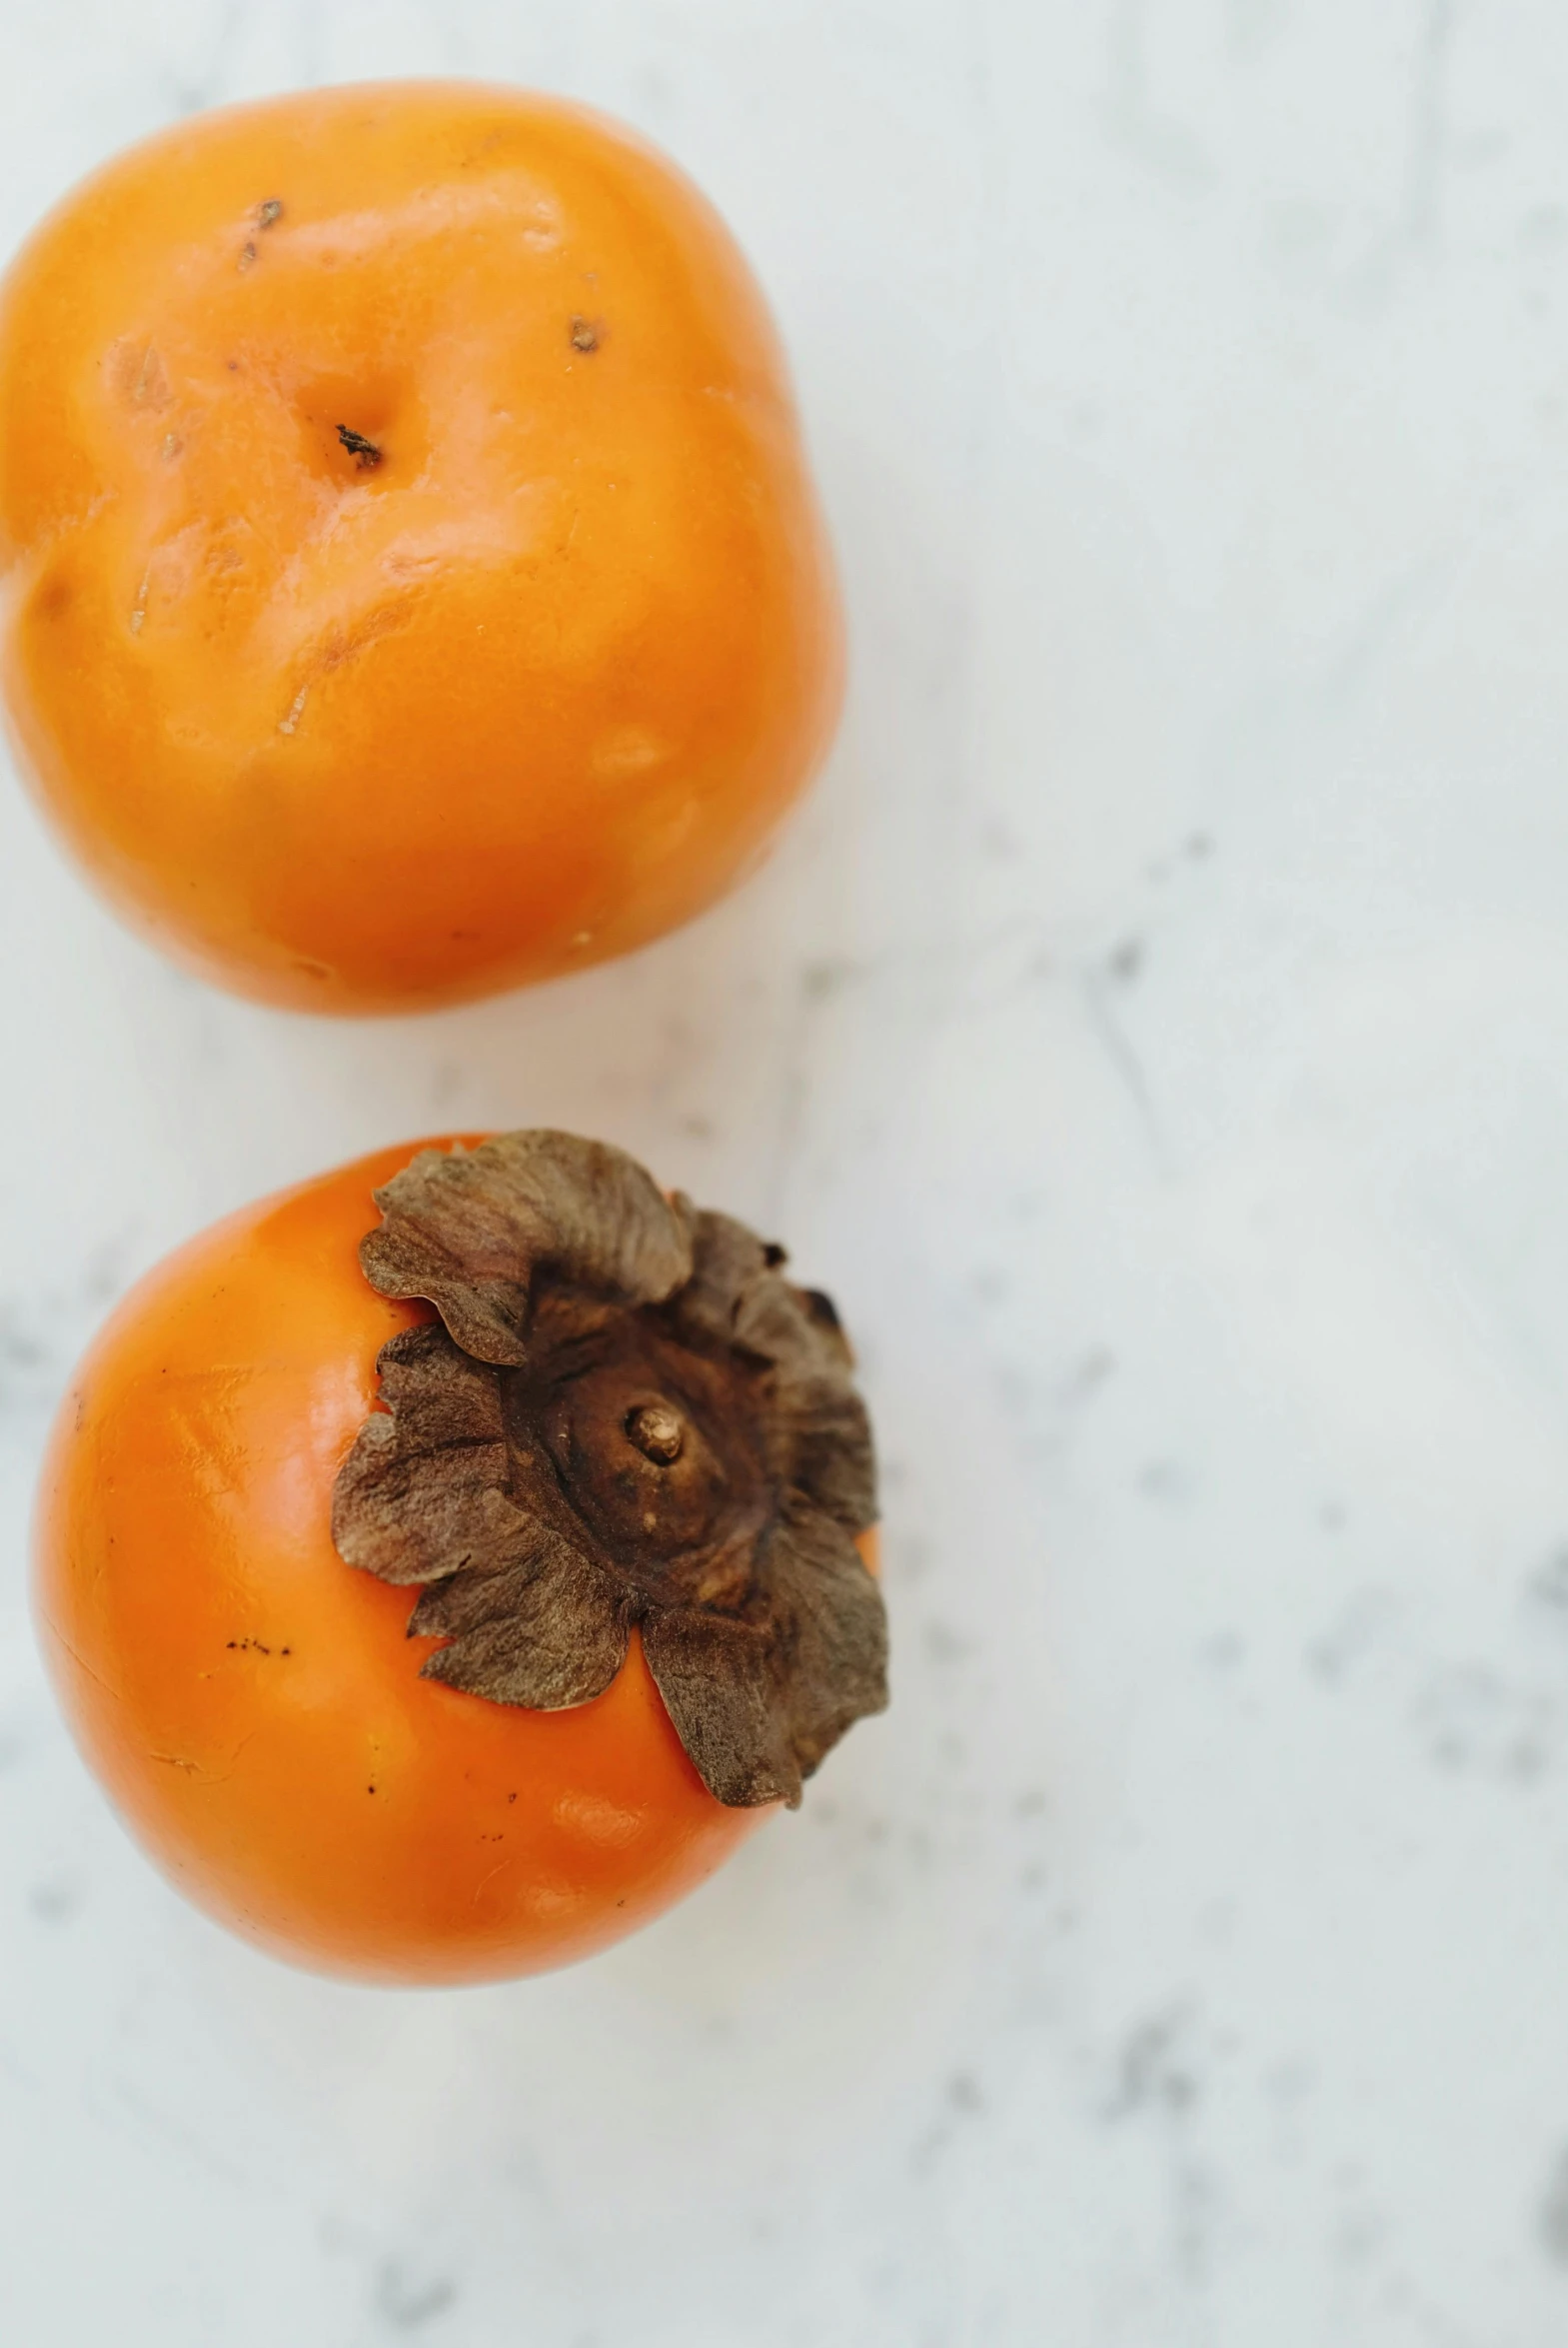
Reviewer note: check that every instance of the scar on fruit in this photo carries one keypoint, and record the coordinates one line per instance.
(364, 452)
(265, 215)
(584, 335)
(625, 1416)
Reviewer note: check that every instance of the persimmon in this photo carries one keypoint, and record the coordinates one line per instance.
(413, 585)
(614, 1456)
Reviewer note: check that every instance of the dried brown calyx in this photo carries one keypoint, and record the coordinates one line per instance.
(625, 1415)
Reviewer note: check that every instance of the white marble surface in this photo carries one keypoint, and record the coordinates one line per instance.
(1157, 1033)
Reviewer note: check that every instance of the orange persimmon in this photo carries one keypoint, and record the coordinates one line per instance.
(413, 582)
(257, 1708)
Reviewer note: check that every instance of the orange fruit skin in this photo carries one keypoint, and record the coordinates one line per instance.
(526, 692)
(253, 1705)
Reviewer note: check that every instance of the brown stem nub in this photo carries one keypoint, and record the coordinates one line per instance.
(658, 1432)
(625, 1417)
(365, 452)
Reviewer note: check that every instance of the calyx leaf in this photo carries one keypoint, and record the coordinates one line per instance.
(626, 1416)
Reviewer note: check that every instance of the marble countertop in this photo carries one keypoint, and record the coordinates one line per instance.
(1155, 1033)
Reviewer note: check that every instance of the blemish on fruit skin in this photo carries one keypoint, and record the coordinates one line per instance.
(264, 217)
(151, 386)
(53, 597)
(365, 452)
(133, 372)
(295, 710)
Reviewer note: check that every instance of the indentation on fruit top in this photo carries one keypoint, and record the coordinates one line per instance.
(360, 433)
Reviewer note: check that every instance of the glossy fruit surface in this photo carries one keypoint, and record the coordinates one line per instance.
(413, 584)
(252, 1703)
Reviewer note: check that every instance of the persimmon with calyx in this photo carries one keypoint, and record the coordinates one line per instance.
(616, 1459)
(413, 584)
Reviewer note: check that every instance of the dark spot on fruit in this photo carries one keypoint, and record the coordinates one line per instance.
(364, 452)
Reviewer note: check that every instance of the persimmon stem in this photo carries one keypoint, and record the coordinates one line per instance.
(658, 1432)
(364, 452)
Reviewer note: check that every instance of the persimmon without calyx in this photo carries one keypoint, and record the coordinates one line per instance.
(616, 1461)
(413, 582)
